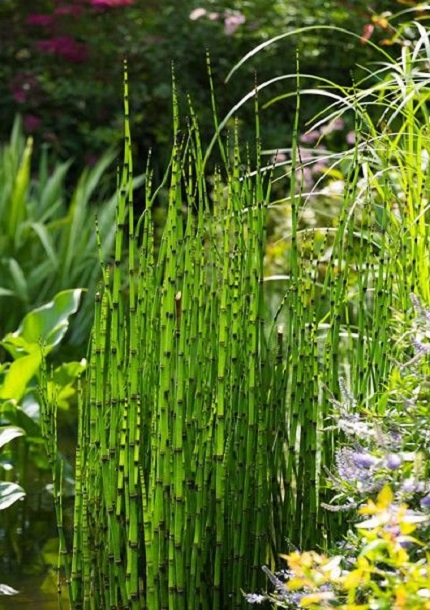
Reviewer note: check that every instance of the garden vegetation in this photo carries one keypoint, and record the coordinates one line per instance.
(253, 417)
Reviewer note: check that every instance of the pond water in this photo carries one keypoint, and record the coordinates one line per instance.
(35, 593)
(28, 567)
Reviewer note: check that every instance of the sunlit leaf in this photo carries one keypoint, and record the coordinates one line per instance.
(6, 590)
(8, 433)
(25, 416)
(62, 386)
(50, 552)
(45, 325)
(9, 494)
(19, 375)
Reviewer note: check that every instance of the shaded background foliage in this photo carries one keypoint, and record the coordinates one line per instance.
(62, 63)
(61, 69)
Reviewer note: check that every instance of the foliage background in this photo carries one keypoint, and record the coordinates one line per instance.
(61, 63)
(61, 69)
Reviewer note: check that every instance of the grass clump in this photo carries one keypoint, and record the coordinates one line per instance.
(47, 236)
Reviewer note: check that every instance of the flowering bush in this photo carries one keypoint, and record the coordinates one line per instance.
(390, 567)
(382, 472)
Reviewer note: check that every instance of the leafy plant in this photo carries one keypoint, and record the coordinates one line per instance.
(23, 462)
(62, 64)
(47, 238)
(381, 472)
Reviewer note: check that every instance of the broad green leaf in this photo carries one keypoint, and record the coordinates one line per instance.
(50, 552)
(50, 586)
(8, 433)
(49, 323)
(68, 372)
(19, 374)
(25, 417)
(9, 494)
(61, 388)
(45, 325)
(18, 347)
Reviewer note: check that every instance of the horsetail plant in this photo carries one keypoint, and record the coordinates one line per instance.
(174, 494)
(203, 442)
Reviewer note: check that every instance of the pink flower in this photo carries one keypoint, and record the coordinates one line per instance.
(336, 125)
(91, 159)
(367, 32)
(350, 137)
(310, 136)
(22, 86)
(110, 3)
(31, 123)
(66, 47)
(232, 20)
(279, 157)
(42, 20)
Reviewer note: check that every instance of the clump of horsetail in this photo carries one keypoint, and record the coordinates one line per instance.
(173, 497)
(202, 441)
(182, 446)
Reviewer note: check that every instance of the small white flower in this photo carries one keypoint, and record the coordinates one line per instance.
(197, 13)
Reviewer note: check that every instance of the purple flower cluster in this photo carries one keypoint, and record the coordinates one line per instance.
(375, 455)
(53, 39)
(358, 468)
(64, 46)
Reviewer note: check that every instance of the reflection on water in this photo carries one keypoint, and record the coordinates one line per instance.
(29, 541)
(35, 593)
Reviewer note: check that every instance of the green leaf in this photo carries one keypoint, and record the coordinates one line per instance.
(18, 277)
(9, 494)
(68, 372)
(50, 552)
(8, 433)
(19, 375)
(25, 418)
(46, 241)
(375, 549)
(61, 388)
(45, 325)
(5, 292)
(19, 194)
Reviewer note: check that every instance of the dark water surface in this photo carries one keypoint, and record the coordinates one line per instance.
(35, 593)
